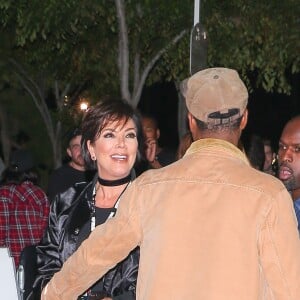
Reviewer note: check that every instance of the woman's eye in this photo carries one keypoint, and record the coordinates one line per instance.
(131, 135)
(108, 135)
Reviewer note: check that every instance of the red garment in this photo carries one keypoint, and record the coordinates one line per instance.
(24, 211)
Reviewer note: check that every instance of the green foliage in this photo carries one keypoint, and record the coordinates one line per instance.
(78, 40)
(160, 23)
(255, 37)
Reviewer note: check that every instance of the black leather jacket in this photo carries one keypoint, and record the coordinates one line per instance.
(69, 212)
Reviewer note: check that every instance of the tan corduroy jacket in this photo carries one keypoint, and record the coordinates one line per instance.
(209, 227)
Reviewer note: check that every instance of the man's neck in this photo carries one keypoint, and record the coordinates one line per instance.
(295, 194)
(225, 137)
(75, 166)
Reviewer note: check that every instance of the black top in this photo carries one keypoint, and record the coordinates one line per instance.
(69, 212)
(65, 177)
(166, 156)
(101, 216)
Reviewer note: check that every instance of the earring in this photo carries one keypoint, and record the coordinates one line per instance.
(93, 157)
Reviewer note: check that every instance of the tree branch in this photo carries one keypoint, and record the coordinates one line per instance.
(41, 105)
(45, 114)
(136, 71)
(60, 96)
(150, 65)
(123, 59)
(24, 73)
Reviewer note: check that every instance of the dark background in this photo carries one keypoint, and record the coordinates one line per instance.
(268, 112)
(161, 101)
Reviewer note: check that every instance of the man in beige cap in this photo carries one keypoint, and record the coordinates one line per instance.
(209, 226)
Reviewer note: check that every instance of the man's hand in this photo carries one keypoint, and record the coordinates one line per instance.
(151, 146)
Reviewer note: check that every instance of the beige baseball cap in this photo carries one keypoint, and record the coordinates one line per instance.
(216, 95)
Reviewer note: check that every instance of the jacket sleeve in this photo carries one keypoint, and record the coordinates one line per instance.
(108, 244)
(48, 255)
(279, 249)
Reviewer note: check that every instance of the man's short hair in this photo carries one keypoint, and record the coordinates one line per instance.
(216, 97)
(226, 126)
(151, 117)
(74, 132)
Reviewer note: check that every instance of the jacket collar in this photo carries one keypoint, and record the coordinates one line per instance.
(217, 145)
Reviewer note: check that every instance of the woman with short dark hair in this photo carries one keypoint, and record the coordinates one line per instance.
(111, 141)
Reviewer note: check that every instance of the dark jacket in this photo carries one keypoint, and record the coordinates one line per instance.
(69, 212)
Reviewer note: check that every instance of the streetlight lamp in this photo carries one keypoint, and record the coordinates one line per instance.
(83, 106)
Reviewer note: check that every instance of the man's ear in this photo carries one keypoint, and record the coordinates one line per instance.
(193, 126)
(244, 119)
(157, 133)
(69, 152)
(191, 121)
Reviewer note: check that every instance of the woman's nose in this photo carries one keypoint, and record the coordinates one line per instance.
(121, 142)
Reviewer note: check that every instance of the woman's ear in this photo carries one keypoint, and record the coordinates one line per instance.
(90, 148)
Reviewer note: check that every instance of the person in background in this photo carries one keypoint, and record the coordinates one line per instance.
(24, 207)
(111, 135)
(72, 172)
(269, 157)
(184, 144)
(156, 156)
(209, 226)
(254, 150)
(289, 161)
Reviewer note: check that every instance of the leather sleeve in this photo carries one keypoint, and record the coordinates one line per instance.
(122, 278)
(50, 251)
(108, 244)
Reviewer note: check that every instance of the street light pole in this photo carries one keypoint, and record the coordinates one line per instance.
(196, 11)
(198, 58)
(198, 42)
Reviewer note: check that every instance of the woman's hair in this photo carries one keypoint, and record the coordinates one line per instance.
(99, 115)
(228, 126)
